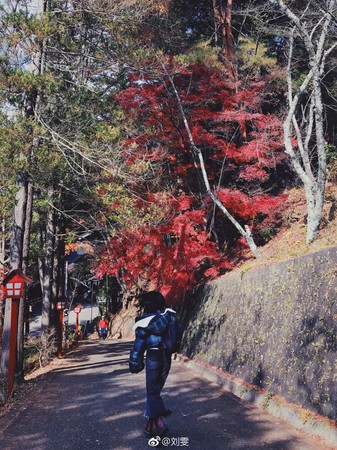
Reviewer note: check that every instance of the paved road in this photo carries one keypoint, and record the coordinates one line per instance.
(90, 401)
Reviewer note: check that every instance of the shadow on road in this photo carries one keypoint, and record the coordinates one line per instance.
(91, 401)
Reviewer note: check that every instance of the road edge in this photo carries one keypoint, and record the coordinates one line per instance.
(300, 418)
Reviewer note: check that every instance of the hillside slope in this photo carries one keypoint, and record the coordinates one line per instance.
(290, 241)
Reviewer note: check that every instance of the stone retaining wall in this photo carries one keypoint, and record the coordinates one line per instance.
(274, 327)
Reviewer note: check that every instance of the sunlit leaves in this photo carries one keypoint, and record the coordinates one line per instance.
(171, 258)
(241, 147)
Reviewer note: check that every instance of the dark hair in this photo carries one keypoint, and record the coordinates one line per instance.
(152, 301)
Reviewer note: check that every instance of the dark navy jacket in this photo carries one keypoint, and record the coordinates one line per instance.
(150, 330)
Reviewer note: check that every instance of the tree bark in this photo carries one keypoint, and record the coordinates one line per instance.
(46, 268)
(310, 141)
(19, 243)
(16, 242)
(222, 11)
(2, 264)
(5, 339)
(22, 303)
(27, 228)
(61, 272)
(15, 262)
(55, 287)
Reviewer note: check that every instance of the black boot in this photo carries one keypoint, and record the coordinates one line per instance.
(160, 426)
(148, 431)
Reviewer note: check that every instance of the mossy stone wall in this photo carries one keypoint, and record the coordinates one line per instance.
(275, 327)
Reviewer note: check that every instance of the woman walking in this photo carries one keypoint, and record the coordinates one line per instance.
(151, 328)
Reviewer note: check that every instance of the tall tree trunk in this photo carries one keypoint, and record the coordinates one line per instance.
(23, 310)
(61, 263)
(16, 242)
(20, 339)
(2, 264)
(27, 228)
(15, 262)
(2, 244)
(5, 339)
(47, 267)
(222, 10)
(55, 275)
(21, 231)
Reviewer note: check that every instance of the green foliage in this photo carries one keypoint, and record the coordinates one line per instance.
(268, 233)
(73, 138)
(15, 143)
(254, 56)
(331, 153)
(202, 52)
(122, 209)
(331, 156)
(107, 133)
(68, 131)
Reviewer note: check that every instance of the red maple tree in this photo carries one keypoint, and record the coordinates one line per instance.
(173, 257)
(242, 149)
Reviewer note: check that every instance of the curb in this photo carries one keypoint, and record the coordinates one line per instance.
(311, 423)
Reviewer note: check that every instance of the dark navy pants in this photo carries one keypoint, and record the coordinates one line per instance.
(158, 364)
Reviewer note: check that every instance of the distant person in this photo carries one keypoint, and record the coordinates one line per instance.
(87, 329)
(103, 328)
(151, 328)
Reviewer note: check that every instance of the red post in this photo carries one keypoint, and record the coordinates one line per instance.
(60, 308)
(77, 311)
(77, 322)
(12, 344)
(59, 348)
(14, 286)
